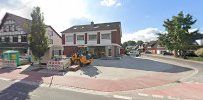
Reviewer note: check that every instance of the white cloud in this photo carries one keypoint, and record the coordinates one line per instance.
(61, 15)
(147, 34)
(118, 4)
(110, 3)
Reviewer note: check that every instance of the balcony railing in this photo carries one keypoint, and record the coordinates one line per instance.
(12, 33)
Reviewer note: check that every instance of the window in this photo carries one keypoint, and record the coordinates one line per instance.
(105, 36)
(2, 39)
(92, 37)
(80, 37)
(15, 39)
(69, 38)
(50, 41)
(23, 38)
(51, 33)
(7, 39)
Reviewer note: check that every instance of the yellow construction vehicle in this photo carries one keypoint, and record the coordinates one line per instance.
(82, 57)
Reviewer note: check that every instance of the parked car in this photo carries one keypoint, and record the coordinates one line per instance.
(148, 52)
(133, 53)
(167, 53)
(191, 54)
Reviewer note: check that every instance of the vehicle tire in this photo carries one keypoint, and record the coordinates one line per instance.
(71, 62)
(78, 62)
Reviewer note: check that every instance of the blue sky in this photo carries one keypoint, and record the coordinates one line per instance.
(140, 14)
(140, 18)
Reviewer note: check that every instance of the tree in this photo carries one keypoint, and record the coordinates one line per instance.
(178, 37)
(128, 43)
(199, 52)
(140, 42)
(37, 38)
(131, 43)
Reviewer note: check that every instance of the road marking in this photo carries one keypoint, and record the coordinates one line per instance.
(5, 79)
(172, 98)
(142, 94)
(197, 83)
(122, 97)
(157, 96)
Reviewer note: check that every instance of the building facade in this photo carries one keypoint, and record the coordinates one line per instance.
(14, 31)
(102, 40)
(155, 48)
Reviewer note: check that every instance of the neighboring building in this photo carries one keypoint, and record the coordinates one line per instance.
(155, 48)
(103, 39)
(14, 31)
(200, 42)
(142, 47)
(55, 44)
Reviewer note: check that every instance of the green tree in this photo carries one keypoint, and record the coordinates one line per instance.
(128, 43)
(178, 37)
(37, 38)
(140, 42)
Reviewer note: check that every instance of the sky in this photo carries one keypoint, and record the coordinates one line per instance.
(140, 19)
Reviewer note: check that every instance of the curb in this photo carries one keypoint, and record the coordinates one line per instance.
(162, 97)
(61, 87)
(190, 61)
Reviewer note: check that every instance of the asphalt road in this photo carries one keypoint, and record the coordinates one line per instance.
(21, 91)
(141, 64)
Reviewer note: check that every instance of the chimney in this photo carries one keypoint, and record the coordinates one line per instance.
(92, 23)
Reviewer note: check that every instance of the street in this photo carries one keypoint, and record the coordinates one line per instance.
(21, 91)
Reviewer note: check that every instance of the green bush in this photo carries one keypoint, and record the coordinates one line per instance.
(199, 52)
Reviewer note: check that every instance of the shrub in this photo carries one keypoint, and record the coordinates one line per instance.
(199, 52)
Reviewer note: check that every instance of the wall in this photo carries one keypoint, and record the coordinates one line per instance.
(102, 41)
(56, 39)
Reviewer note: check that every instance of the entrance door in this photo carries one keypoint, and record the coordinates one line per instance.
(109, 52)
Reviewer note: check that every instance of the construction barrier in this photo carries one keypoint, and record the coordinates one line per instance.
(9, 63)
(57, 65)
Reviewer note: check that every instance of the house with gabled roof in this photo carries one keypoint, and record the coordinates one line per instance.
(102, 39)
(14, 31)
(155, 47)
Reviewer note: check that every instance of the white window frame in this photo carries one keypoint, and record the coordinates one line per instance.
(106, 38)
(92, 39)
(68, 38)
(80, 35)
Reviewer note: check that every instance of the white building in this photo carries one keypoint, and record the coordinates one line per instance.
(14, 31)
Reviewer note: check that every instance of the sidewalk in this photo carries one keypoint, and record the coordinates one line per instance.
(104, 85)
(181, 91)
(190, 88)
(173, 58)
(197, 66)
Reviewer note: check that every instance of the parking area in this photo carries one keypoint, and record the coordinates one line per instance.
(126, 68)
